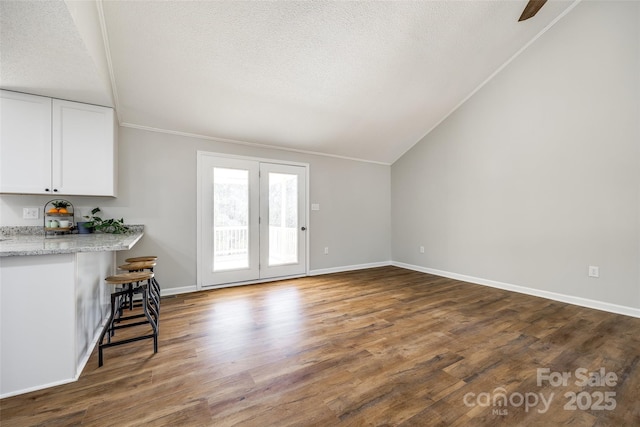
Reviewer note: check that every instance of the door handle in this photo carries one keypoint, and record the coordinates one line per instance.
(303, 228)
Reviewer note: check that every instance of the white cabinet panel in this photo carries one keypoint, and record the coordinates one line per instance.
(83, 149)
(25, 143)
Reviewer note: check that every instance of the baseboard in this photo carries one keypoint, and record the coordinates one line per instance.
(569, 299)
(344, 268)
(194, 288)
(176, 291)
(36, 388)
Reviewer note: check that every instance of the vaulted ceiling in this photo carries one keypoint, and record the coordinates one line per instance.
(364, 80)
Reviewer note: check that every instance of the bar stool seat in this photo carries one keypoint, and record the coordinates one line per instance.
(142, 258)
(138, 266)
(134, 283)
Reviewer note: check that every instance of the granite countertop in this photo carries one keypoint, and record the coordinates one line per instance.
(21, 244)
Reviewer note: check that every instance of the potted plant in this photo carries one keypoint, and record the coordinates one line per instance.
(83, 228)
(113, 226)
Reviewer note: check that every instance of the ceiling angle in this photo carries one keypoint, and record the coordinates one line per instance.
(531, 9)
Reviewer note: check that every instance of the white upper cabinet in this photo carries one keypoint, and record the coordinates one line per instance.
(25, 143)
(83, 150)
(50, 146)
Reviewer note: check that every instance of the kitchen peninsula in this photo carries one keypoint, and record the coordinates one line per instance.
(52, 303)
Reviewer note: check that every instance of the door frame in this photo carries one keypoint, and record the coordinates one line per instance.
(200, 155)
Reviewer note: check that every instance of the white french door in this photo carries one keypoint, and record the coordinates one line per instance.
(251, 220)
(282, 220)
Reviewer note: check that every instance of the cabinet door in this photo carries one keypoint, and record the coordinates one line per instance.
(83, 148)
(25, 143)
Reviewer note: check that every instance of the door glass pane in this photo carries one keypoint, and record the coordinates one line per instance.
(283, 218)
(230, 219)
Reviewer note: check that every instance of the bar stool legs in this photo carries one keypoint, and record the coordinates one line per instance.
(135, 283)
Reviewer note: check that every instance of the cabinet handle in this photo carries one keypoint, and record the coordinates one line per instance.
(46, 189)
(55, 190)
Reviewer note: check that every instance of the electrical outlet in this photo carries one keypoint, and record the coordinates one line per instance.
(421, 249)
(594, 271)
(326, 250)
(30, 213)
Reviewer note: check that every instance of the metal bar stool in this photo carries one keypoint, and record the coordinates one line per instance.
(137, 266)
(147, 258)
(136, 283)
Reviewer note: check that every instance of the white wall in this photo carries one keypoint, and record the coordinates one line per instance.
(157, 188)
(537, 176)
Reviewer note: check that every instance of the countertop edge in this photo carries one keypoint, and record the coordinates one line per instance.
(38, 246)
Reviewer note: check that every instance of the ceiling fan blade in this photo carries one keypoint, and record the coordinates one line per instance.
(531, 9)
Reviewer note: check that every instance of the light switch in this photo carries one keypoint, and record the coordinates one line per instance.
(315, 206)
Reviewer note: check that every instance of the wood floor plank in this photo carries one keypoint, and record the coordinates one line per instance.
(384, 346)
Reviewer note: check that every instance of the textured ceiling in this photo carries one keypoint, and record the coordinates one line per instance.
(43, 51)
(363, 80)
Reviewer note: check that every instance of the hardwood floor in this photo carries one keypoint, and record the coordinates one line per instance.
(384, 346)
